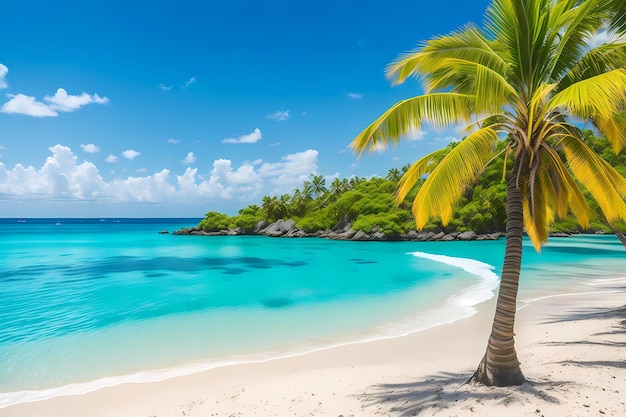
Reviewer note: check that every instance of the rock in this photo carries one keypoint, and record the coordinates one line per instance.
(412, 235)
(279, 228)
(360, 235)
(469, 235)
(379, 236)
(343, 225)
(490, 236)
(559, 234)
(437, 236)
(163, 232)
(262, 224)
(448, 237)
(349, 234)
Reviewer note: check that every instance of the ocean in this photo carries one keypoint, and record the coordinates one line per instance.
(88, 303)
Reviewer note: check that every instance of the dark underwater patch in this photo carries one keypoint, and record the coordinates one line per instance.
(278, 302)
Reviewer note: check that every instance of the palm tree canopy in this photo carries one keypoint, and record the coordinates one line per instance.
(528, 77)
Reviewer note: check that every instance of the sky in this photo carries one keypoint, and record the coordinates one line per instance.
(176, 108)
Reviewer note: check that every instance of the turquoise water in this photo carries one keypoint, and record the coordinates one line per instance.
(95, 303)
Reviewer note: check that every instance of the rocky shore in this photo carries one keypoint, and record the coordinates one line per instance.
(343, 231)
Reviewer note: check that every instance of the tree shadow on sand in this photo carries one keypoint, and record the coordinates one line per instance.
(589, 314)
(440, 391)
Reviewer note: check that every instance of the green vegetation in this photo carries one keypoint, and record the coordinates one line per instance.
(518, 83)
(370, 204)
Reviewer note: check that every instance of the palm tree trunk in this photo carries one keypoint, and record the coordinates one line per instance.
(619, 234)
(500, 366)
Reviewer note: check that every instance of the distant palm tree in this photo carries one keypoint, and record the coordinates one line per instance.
(393, 175)
(275, 207)
(518, 80)
(318, 185)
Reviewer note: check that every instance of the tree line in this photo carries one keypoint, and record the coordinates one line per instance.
(368, 203)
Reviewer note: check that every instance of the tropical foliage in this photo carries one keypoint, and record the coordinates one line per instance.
(527, 79)
(370, 204)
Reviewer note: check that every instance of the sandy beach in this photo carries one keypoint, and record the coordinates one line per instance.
(572, 349)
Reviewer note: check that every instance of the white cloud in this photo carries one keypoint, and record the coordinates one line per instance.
(64, 102)
(273, 145)
(253, 137)
(130, 154)
(174, 141)
(190, 81)
(61, 177)
(165, 87)
(90, 148)
(3, 73)
(23, 104)
(292, 171)
(415, 134)
(59, 102)
(280, 115)
(189, 159)
(111, 158)
(355, 96)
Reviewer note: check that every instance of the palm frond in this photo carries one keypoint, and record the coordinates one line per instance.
(605, 184)
(406, 116)
(614, 129)
(596, 61)
(537, 216)
(459, 168)
(600, 95)
(420, 168)
(575, 198)
(468, 45)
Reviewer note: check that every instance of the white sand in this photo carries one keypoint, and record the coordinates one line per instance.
(572, 349)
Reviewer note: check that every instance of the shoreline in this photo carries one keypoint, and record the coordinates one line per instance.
(342, 377)
(344, 231)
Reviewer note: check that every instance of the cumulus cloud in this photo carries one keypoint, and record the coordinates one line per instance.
(130, 154)
(3, 73)
(174, 141)
(165, 87)
(27, 105)
(90, 148)
(280, 115)
(61, 177)
(189, 159)
(292, 171)
(355, 96)
(111, 158)
(415, 134)
(59, 102)
(253, 137)
(64, 102)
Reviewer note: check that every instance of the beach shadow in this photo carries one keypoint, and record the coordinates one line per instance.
(587, 314)
(594, 364)
(439, 392)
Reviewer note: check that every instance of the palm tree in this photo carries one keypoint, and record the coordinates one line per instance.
(318, 185)
(393, 175)
(520, 80)
(275, 207)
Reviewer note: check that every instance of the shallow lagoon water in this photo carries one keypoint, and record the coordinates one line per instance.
(116, 301)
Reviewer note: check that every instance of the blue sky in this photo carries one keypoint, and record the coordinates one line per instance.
(175, 108)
